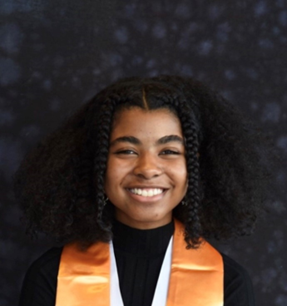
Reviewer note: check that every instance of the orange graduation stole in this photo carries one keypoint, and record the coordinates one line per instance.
(196, 276)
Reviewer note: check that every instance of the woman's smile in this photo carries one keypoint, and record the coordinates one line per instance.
(146, 192)
(146, 176)
(147, 195)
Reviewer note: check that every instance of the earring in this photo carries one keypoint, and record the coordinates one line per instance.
(184, 203)
(106, 201)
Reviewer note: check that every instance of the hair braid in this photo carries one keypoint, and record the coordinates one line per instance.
(193, 224)
(193, 229)
(101, 155)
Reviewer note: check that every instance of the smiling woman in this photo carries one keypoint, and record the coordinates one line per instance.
(133, 185)
(146, 173)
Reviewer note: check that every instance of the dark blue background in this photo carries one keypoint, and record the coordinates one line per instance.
(56, 54)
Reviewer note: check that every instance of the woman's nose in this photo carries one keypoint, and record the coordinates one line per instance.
(147, 166)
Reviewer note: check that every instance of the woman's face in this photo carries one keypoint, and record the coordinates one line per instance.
(146, 173)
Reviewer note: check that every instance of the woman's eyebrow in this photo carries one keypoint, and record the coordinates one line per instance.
(170, 138)
(136, 141)
(129, 139)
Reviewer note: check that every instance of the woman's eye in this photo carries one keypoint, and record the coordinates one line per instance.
(169, 152)
(126, 152)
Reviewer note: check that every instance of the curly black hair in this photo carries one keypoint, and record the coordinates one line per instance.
(60, 184)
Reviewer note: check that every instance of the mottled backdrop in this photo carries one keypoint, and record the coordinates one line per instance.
(56, 54)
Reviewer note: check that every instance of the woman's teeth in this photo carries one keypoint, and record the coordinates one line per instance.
(146, 192)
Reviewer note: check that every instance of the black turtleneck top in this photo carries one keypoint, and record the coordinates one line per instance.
(139, 255)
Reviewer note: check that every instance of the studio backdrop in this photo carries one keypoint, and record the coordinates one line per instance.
(56, 54)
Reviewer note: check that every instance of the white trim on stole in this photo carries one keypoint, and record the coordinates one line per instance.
(161, 290)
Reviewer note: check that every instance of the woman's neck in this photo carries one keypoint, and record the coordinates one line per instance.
(141, 242)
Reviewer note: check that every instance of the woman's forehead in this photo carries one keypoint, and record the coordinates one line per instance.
(145, 123)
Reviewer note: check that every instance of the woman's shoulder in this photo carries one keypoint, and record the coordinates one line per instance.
(40, 282)
(46, 261)
(233, 268)
(238, 289)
